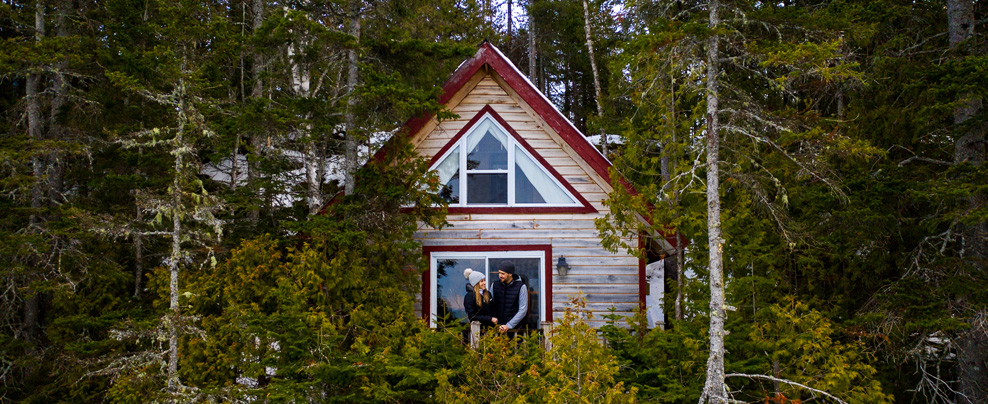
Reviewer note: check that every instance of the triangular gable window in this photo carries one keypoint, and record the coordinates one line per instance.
(487, 167)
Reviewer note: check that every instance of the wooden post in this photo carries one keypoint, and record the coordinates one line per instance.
(546, 333)
(474, 334)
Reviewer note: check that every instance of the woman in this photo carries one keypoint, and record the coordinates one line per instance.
(477, 302)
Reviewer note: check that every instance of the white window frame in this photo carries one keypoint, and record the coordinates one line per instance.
(485, 123)
(435, 256)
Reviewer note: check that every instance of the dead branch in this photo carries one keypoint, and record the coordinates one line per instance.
(925, 160)
(789, 382)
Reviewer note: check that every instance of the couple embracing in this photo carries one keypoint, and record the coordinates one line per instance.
(506, 307)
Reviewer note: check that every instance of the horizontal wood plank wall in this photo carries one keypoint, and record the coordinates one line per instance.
(605, 279)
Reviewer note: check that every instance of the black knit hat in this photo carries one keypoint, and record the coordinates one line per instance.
(507, 267)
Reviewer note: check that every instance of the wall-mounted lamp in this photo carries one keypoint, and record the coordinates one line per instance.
(562, 266)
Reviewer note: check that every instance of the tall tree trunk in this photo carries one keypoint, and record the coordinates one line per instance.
(668, 165)
(138, 254)
(488, 12)
(34, 119)
(351, 143)
(679, 277)
(235, 162)
(55, 167)
(301, 82)
(312, 178)
(596, 78)
(972, 344)
(32, 304)
(531, 44)
(714, 389)
(510, 19)
(176, 253)
(257, 138)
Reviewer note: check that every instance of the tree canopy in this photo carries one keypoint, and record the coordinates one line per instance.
(187, 212)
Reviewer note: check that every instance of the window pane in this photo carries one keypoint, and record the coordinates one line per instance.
(531, 271)
(451, 190)
(487, 188)
(525, 191)
(449, 175)
(451, 286)
(487, 151)
(532, 185)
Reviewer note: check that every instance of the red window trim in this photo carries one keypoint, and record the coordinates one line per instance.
(547, 275)
(487, 109)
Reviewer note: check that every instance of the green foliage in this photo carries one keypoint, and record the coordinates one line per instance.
(330, 318)
(805, 347)
(665, 366)
(578, 367)
(497, 371)
(839, 188)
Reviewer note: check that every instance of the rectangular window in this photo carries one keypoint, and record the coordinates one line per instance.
(449, 286)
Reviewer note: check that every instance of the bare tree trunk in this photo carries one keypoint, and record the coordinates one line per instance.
(714, 390)
(235, 163)
(970, 146)
(301, 83)
(509, 27)
(668, 165)
(257, 138)
(351, 142)
(488, 12)
(34, 118)
(30, 328)
(679, 277)
(596, 78)
(312, 178)
(257, 18)
(138, 255)
(176, 254)
(531, 45)
(972, 344)
(54, 169)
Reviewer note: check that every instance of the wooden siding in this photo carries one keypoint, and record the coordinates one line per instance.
(605, 279)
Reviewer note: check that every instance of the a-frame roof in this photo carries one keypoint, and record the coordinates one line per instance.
(490, 58)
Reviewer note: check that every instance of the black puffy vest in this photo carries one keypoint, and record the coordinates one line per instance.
(506, 300)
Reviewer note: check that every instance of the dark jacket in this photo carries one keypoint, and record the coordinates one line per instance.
(506, 303)
(484, 313)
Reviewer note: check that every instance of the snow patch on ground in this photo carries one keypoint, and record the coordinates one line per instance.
(332, 170)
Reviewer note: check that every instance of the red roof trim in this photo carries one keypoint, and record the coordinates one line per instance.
(490, 56)
(547, 274)
(559, 123)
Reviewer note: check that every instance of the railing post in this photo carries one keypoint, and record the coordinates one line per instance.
(546, 333)
(474, 334)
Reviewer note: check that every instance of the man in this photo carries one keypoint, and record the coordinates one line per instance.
(510, 297)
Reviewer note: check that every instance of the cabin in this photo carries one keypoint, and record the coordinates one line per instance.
(523, 184)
